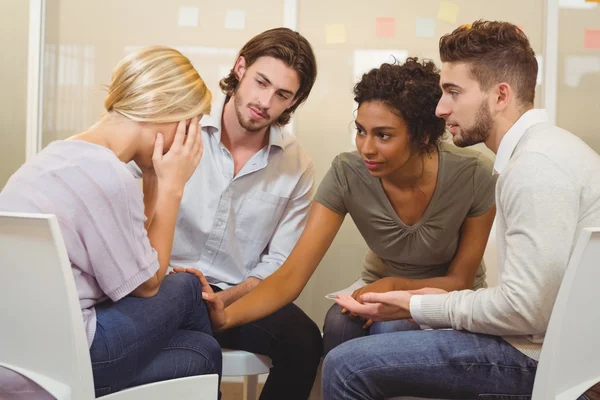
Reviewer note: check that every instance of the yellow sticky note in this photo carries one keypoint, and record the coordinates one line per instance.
(335, 33)
(592, 1)
(448, 12)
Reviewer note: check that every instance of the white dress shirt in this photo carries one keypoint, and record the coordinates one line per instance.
(235, 227)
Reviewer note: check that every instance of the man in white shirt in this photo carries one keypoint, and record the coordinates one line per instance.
(548, 190)
(246, 205)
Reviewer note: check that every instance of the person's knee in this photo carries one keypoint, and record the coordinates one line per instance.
(204, 353)
(303, 340)
(188, 287)
(214, 354)
(334, 320)
(334, 365)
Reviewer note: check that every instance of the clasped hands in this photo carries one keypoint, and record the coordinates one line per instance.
(378, 302)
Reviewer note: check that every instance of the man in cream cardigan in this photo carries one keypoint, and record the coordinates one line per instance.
(548, 190)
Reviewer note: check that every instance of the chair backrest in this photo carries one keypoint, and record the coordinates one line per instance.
(570, 359)
(42, 332)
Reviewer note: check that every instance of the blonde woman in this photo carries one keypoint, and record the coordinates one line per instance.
(142, 326)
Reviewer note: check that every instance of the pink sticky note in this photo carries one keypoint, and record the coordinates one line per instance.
(592, 39)
(385, 27)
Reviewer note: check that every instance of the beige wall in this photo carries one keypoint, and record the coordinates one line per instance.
(14, 33)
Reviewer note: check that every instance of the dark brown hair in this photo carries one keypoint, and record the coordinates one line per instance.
(412, 91)
(495, 52)
(288, 46)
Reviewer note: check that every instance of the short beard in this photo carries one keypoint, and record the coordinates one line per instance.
(238, 105)
(480, 131)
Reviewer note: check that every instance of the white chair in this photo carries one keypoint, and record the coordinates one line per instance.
(248, 365)
(42, 335)
(570, 359)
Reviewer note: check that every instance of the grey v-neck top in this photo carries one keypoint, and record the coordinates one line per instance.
(465, 188)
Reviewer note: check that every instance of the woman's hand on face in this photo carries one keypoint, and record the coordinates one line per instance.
(174, 168)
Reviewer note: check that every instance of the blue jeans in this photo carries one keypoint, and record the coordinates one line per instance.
(144, 340)
(444, 364)
(340, 328)
(293, 342)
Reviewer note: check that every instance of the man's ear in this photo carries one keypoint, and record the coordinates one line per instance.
(239, 68)
(503, 96)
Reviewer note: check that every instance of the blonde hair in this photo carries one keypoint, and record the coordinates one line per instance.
(157, 84)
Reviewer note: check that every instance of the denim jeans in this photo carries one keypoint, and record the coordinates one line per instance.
(143, 340)
(293, 342)
(445, 364)
(340, 328)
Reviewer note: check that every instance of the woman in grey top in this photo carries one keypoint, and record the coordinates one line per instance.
(425, 208)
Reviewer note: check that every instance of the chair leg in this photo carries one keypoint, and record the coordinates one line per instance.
(250, 387)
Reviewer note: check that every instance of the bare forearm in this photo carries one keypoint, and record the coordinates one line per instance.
(273, 293)
(150, 189)
(236, 292)
(448, 283)
(162, 229)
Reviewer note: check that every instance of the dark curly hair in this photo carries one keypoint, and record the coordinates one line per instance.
(412, 91)
(496, 52)
(288, 46)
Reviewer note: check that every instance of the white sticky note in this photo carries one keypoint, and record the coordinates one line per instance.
(235, 19)
(577, 66)
(576, 4)
(540, 75)
(188, 16)
(425, 27)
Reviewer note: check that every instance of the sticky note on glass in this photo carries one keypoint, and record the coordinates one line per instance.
(592, 39)
(335, 33)
(448, 12)
(592, 1)
(425, 27)
(235, 19)
(385, 27)
(188, 16)
(576, 67)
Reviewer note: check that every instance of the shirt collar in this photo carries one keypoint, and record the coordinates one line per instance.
(212, 124)
(515, 133)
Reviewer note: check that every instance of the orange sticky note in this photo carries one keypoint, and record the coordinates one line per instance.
(592, 39)
(592, 1)
(385, 27)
